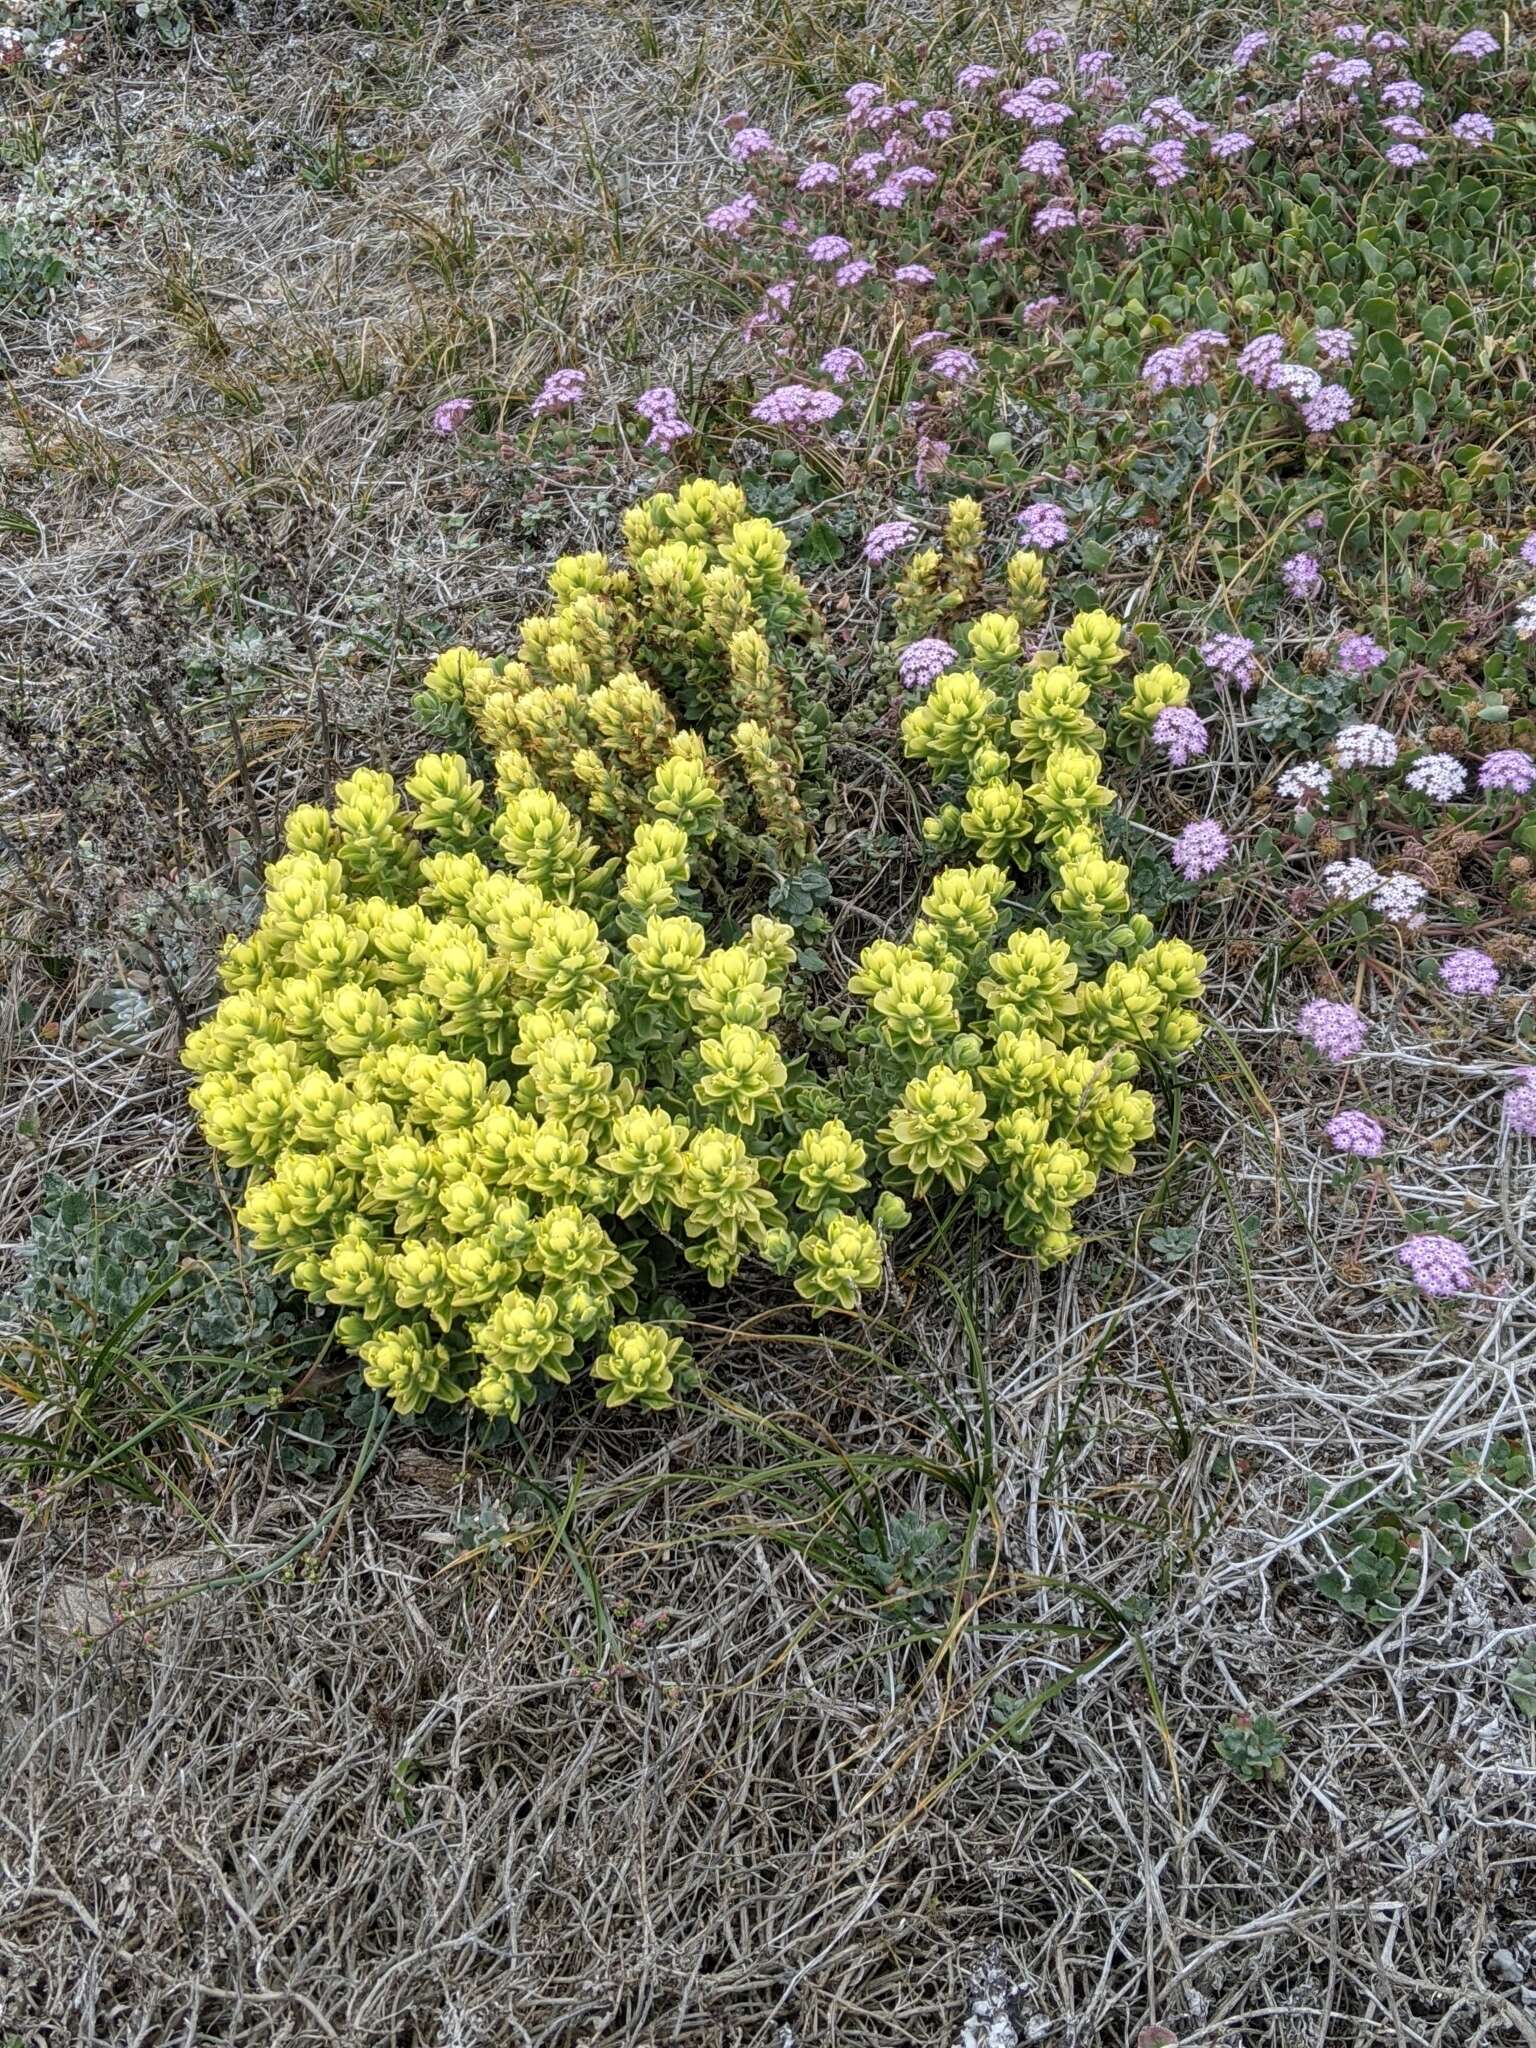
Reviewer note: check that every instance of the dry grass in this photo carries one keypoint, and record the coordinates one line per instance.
(618, 1737)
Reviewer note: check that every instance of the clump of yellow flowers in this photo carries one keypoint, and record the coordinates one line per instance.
(1010, 1057)
(635, 668)
(483, 1054)
(492, 1066)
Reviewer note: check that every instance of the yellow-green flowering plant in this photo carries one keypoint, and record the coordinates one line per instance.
(637, 667)
(1008, 1057)
(485, 1058)
(497, 1076)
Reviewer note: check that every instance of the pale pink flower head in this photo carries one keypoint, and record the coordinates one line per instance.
(1440, 777)
(1520, 1104)
(1327, 409)
(748, 143)
(1469, 972)
(1336, 1030)
(842, 365)
(1301, 575)
(1511, 768)
(1181, 733)
(954, 366)
(1043, 526)
(1357, 654)
(1200, 849)
(796, 406)
(451, 415)
(1232, 656)
(888, 538)
(924, 661)
(1355, 1133)
(1476, 43)
(1365, 746)
(561, 390)
(1439, 1265)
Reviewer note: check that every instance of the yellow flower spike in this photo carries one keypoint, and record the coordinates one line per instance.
(447, 799)
(964, 530)
(1067, 790)
(645, 1160)
(521, 1340)
(1028, 587)
(912, 999)
(664, 960)
(961, 908)
(721, 1193)
(309, 829)
(684, 791)
(826, 1168)
(774, 943)
(999, 822)
(742, 1074)
(1092, 890)
(1113, 1120)
(410, 1367)
(920, 599)
(993, 649)
(1153, 690)
(733, 986)
(580, 575)
(1175, 968)
(1091, 644)
(1029, 984)
(959, 716)
(936, 1130)
(639, 1363)
(542, 842)
(1053, 711)
(770, 775)
(842, 1258)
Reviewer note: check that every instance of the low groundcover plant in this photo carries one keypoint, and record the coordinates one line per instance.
(503, 1065)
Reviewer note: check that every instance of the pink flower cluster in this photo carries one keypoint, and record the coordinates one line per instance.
(1183, 365)
(560, 390)
(1200, 849)
(1336, 1030)
(887, 539)
(1043, 525)
(797, 406)
(1439, 1266)
(659, 408)
(1359, 1135)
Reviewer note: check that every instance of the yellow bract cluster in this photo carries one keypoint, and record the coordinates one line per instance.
(479, 1053)
(1022, 1052)
(616, 690)
(490, 1069)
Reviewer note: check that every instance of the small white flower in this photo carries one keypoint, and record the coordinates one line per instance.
(1399, 898)
(1365, 746)
(1440, 777)
(1525, 619)
(1350, 881)
(1306, 782)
